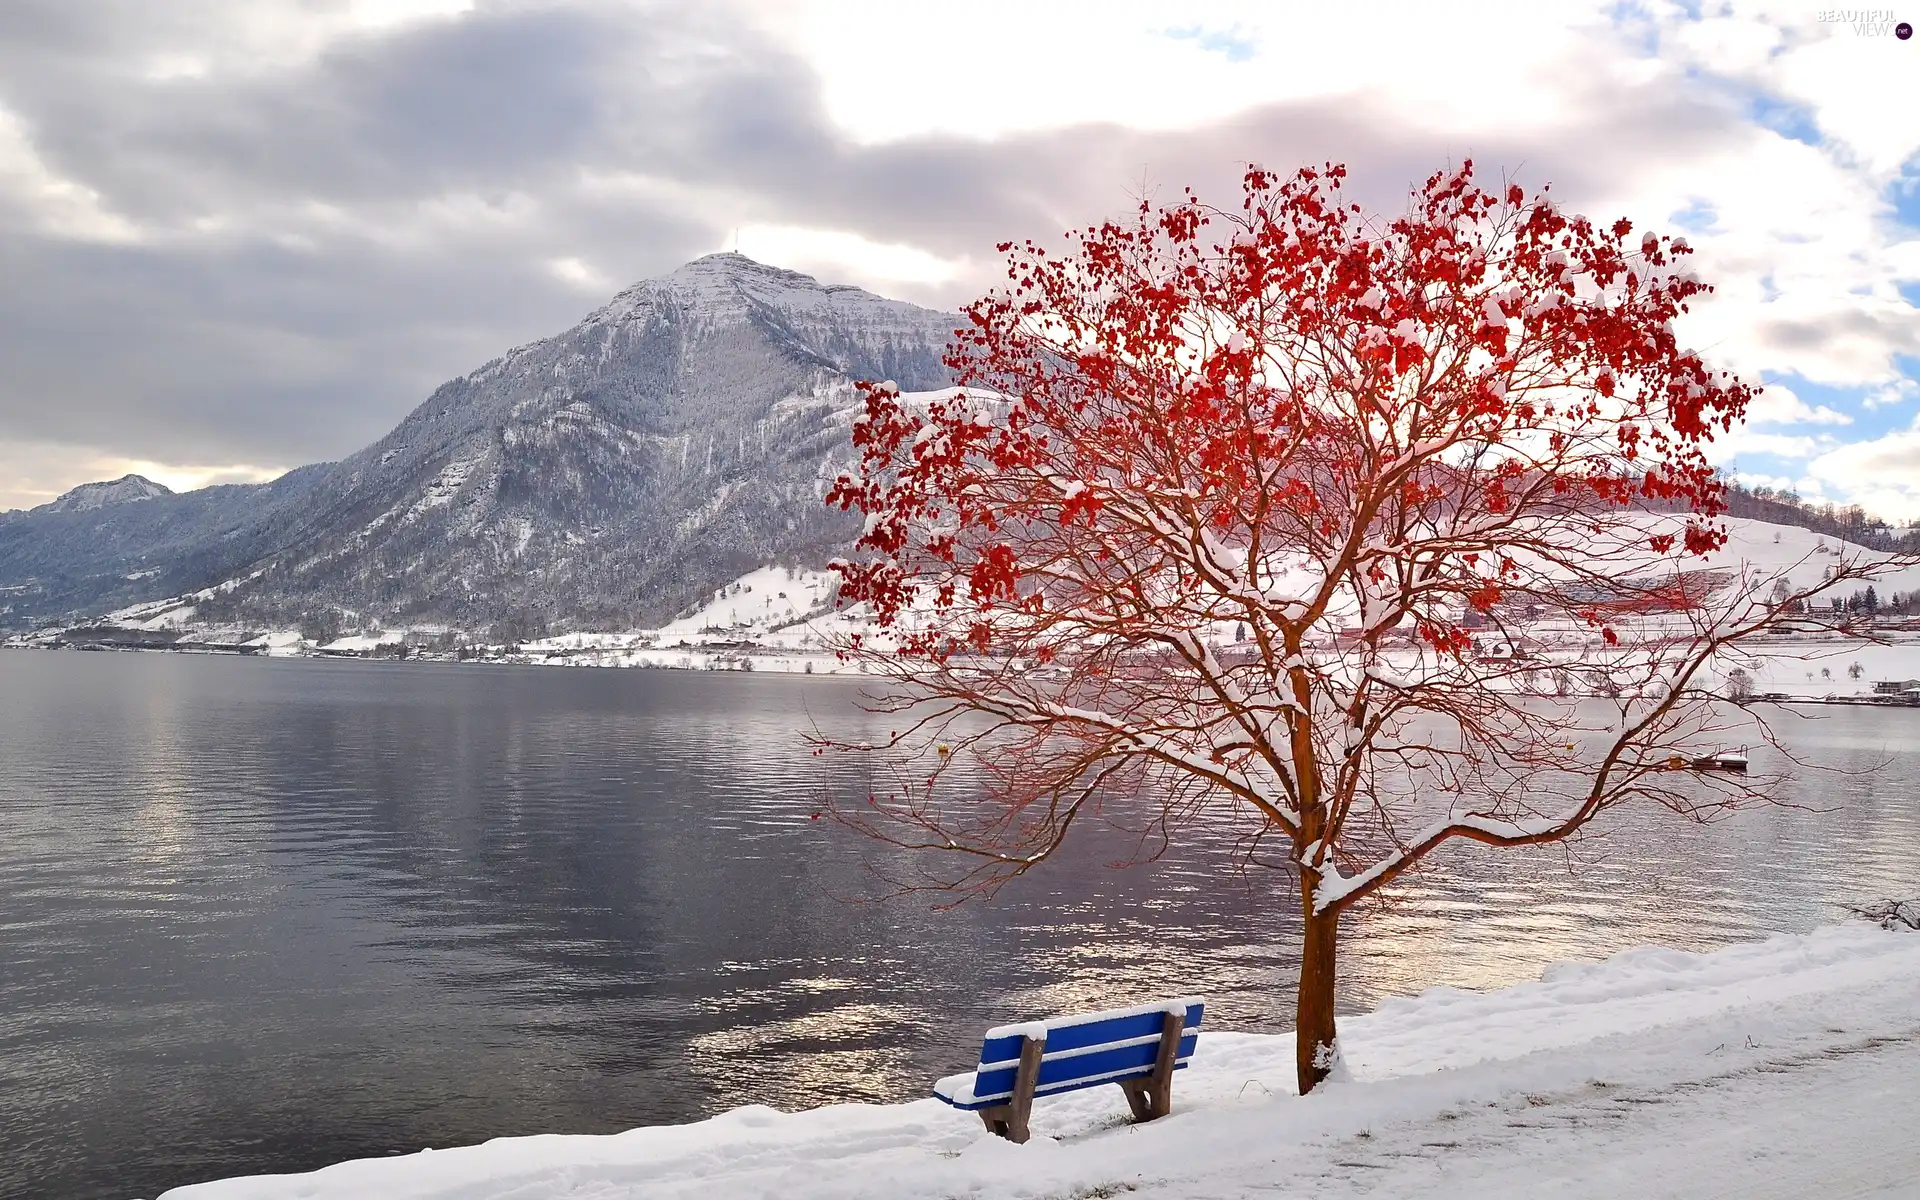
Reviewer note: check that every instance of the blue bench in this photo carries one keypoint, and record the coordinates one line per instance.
(1138, 1048)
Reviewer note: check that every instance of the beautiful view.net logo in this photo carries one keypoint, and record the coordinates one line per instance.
(1868, 22)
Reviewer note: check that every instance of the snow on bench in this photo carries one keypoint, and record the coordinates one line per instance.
(1138, 1048)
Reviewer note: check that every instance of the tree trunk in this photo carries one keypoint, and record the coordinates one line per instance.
(1314, 1037)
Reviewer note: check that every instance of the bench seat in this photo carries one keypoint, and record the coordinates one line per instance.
(1138, 1048)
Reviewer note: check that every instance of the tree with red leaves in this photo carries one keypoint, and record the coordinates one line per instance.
(1374, 447)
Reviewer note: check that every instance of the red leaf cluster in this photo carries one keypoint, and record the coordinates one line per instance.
(1400, 405)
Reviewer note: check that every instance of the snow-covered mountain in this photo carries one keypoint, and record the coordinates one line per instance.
(59, 565)
(613, 475)
(88, 496)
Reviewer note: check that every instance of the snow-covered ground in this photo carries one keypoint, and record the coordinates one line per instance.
(758, 603)
(1800, 556)
(787, 614)
(1788, 1068)
(1818, 669)
(360, 643)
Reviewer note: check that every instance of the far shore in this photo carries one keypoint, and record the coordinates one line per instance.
(1868, 686)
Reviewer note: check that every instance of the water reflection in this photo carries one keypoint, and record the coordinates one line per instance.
(262, 915)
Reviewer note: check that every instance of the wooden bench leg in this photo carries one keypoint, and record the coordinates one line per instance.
(1009, 1120)
(1152, 1096)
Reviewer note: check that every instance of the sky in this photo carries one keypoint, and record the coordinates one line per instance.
(237, 236)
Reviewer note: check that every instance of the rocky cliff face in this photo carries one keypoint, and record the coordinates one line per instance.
(606, 477)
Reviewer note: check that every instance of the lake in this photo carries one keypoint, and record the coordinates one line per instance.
(263, 915)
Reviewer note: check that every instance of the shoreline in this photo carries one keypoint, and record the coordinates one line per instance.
(696, 658)
(778, 660)
(1652, 1064)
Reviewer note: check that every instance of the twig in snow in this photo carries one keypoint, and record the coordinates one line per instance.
(1889, 914)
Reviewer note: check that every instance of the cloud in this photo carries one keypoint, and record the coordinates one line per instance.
(1891, 459)
(843, 254)
(1778, 405)
(486, 103)
(46, 201)
(1881, 474)
(32, 473)
(1746, 443)
(1778, 483)
(1899, 391)
(1855, 342)
(1806, 246)
(1231, 44)
(274, 265)
(258, 231)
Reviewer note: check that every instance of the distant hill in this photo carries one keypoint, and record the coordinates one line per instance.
(1850, 523)
(67, 564)
(88, 496)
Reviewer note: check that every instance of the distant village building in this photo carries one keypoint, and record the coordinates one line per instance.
(1895, 687)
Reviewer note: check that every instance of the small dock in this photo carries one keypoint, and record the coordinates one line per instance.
(1733, 762)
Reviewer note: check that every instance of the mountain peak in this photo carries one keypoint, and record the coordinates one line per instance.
(729, 260)
(124, 490)
(732, 264)
(729, 271)
(728, 287)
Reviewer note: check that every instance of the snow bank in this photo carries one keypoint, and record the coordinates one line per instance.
(759, 602)
(1646, 1059)
(360, 643)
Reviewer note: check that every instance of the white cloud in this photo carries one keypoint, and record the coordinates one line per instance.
(1729, 45)
(377, 14)
(1882, 474)
(1890, 458)
(34, 472)
(1803, 260)
(841, 255)
(1897, 505)
(1863, 90)
(1898, 392)
(1806, 253)
(1778, 405)
(176, 66)
(1788, 446)
(990, 68)
(574, 271)
(1779, 483)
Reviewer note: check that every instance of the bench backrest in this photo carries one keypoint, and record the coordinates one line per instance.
(1096, 1048)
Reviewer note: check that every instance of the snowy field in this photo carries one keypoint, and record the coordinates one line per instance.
(1788, 1068)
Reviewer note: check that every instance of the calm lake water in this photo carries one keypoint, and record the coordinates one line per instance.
(264, 915)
